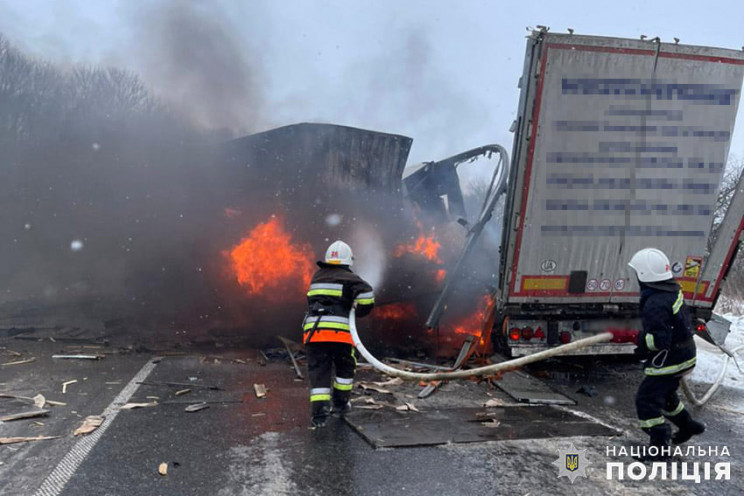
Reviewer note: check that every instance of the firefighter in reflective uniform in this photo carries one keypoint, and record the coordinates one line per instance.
(667, 344)
(333, 291)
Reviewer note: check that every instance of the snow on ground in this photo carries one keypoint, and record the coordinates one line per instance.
(710, 360)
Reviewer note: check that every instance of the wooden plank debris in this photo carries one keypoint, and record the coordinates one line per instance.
(91, 423)
(131, 406)
(24, 415)
(372, 387)
(65, 384)
(180, 384)
(19, 362)
(13, 440)
(260, 390)
(196, 407)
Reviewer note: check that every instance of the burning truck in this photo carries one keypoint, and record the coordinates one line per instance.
(288, 192)
(618, 145)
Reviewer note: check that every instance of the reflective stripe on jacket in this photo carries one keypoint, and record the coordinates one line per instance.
(333, 290)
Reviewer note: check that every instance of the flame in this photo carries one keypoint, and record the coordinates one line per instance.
(423, 245)
(267, 263)
(395, 311)
(440, 275)
(473, 324)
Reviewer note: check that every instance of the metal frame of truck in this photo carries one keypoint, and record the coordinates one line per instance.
(553, 309)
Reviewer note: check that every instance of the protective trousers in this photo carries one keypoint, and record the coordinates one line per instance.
(656, 400)
(321, 358)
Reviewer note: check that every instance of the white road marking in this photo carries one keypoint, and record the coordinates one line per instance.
(65, 469)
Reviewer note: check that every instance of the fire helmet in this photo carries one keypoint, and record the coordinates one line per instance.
(651, 265)
(339, 253)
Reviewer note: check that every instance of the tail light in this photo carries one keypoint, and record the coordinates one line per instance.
(565, 337)
(527, 333)
(514, 334)
(701, 328)
(539, 334)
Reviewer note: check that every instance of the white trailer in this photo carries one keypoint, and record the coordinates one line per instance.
(619, 145)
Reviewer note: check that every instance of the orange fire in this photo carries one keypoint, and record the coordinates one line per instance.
(426, 246)
(267, 263)
(395, 311)
(440, 275)
(475, 323)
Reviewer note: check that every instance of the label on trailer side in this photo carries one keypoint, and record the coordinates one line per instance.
(629, 153)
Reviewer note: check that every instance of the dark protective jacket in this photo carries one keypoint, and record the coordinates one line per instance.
(333, 291)
(667, 331)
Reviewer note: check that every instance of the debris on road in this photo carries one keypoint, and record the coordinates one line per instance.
(36, 400)
(80, 357)
(130, 406)
(24, 415)
(395, 381)
(372, 387)
(493, 402)
(182, 392)
(429, 389)
(406, 406)
(163, 469)
(13, 440)
(260, 390)
(196, 407)
(181, 384)
(289, 345)
(65, 384)
(91, 423)
(19, 362)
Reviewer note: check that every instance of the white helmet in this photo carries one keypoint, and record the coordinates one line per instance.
(651, 265)
(339, 253)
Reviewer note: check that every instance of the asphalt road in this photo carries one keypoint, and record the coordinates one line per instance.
(251, 446)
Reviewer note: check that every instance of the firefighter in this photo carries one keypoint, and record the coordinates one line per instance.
(667, 344)
(334, 289)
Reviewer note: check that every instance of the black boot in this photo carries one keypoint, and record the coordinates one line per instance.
(321, 412)
(341, 403)
(659, 436)
(688, 427)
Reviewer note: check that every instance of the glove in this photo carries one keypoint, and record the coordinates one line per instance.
(641, 351)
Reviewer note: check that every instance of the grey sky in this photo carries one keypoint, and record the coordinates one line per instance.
(443, 73)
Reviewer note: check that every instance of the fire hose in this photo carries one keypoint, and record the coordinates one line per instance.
(719, 380)
(477, 372)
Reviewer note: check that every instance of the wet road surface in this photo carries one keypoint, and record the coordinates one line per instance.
(251, 446)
